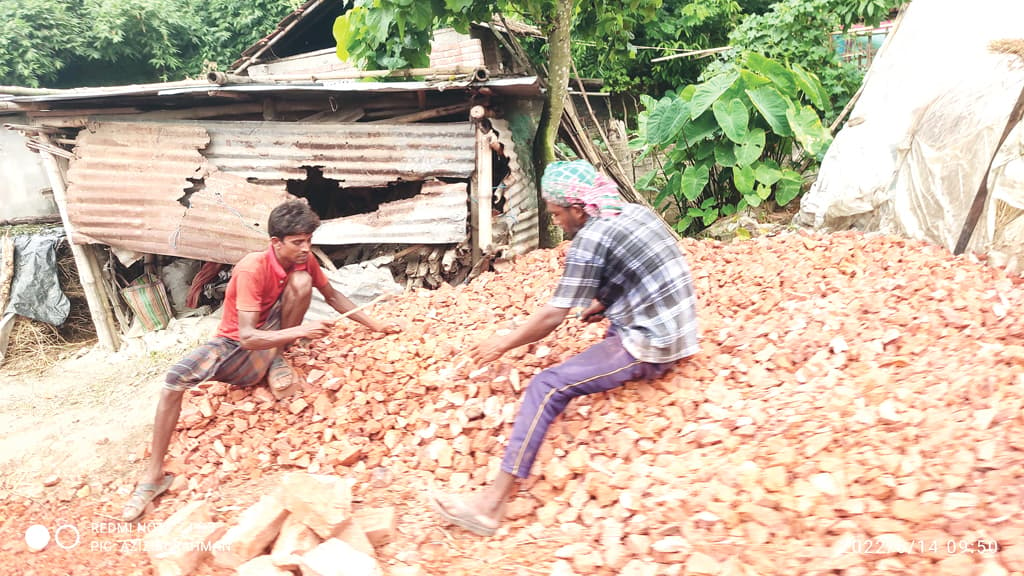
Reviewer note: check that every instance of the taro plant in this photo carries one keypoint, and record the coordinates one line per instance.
(741, 138)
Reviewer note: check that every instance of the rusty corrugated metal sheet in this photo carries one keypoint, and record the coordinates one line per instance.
(437, 215)
(124, 190)
(126, 187)
(355, 154)
(521, 207)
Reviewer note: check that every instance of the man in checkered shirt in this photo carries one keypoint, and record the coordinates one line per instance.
(624, 265)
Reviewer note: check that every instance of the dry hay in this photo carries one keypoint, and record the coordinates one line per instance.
(35, 346)
(1008, 46)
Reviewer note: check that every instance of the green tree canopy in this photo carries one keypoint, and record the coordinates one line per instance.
(104, 42)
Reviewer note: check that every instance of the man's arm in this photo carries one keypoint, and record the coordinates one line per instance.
(541, 323)
(342, 304)
(252, 338)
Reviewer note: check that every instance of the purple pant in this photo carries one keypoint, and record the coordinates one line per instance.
(602, 367)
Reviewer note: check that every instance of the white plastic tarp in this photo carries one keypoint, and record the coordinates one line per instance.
(935, 103)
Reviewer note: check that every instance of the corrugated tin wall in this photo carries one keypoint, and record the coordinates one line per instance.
(437, 215)
(127, 186)
(356, 154)
(521, 207)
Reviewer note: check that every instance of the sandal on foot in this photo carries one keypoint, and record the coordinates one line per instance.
(455, 511)
(144, 493)
(280, 376)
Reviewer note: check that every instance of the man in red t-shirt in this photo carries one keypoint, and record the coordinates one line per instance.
(266, 299)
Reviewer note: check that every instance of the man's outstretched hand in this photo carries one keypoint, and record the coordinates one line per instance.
(317, 328)
(593, 313)
(487, 351)
(386, 327)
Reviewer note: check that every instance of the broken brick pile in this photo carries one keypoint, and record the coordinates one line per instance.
(308, 524)
(857, 408)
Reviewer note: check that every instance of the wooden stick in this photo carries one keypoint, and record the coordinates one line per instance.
(251, 59)
(105, 330)
(426, 114)
(324, 259)
(468, 72)
(978, 205)
(705, 52)
(30, 220)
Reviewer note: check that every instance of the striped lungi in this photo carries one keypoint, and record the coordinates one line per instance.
(224, 360)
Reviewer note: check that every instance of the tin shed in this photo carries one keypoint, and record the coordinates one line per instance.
(192, 168)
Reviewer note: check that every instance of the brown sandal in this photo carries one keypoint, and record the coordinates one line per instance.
(144, 493)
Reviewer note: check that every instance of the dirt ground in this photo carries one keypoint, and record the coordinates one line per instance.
(96, 403)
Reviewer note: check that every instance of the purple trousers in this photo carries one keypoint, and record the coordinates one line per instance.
(602, 367)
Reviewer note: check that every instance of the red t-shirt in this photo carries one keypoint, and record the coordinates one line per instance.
(256, 283)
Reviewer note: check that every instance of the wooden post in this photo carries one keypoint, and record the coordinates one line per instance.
(84, 260)
(482, 206)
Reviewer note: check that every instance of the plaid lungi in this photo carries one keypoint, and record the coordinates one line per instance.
(224, 360)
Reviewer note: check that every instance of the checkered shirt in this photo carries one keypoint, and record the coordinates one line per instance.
(632, 264)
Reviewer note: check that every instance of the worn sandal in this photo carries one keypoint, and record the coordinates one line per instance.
(455, 511)
(144, 494)
(280, 376)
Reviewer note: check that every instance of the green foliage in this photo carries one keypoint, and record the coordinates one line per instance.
(730, 141)
(36, 34)
(157, 32)
(228, 27)
(799, 33)
(103, 42)
(867, 12)
(623, 66)
(395, 34)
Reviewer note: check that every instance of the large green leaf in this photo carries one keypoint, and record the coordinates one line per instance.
(788, 187)
(343, 32)
(809, 132)
(811, 86)
(695, 178)
(780, 76)
(743, 177)
(703, 151)
(706, 94)
(751, 149)
(725, 154)
(773, 106)
(666, 121)
(733, 117)
(766, 174)
(701, 128)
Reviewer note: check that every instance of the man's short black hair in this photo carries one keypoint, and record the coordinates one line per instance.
(292, 218)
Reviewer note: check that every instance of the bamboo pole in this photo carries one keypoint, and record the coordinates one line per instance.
(471, 73)
(84, 260)
(26, 91)
(705, 52)
(30, 220)
(32, 129)
(484, 178)
(427, 114)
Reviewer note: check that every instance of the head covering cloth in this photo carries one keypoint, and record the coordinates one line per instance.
(578, 182)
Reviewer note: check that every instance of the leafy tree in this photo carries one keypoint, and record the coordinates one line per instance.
(229, 27)
(800, 32)
(734, 140)
(396, 33)
(682, 26)
(36, 36)
(102, 42)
